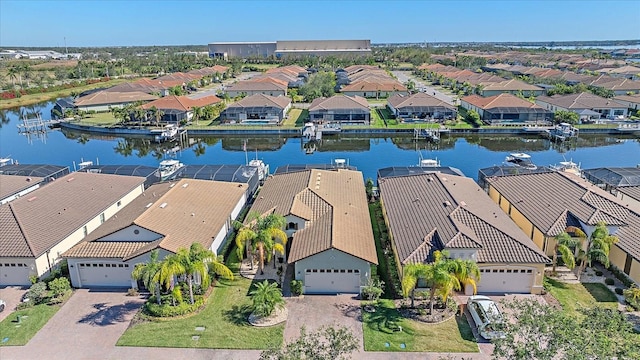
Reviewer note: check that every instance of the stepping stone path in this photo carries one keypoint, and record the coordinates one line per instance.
(195, 337)
(200, 328)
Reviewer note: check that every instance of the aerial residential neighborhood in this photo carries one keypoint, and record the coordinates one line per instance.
(381, 181)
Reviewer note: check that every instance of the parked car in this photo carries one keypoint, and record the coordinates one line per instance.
(487, 316)
(2, 305)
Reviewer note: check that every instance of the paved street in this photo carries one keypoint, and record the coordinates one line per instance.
(404, 76)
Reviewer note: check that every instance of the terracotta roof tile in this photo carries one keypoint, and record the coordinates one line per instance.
(182, 103)
(499, 101)
(259, 100)
(580, 101)
(113, 97)
(419, 99)
(339, 102)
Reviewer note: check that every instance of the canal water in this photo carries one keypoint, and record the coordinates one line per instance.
(465, 152)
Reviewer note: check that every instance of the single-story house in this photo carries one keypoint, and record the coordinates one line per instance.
(545, 204)
(331, 245)
(178, 108)
(250, 87)
(103, 101)
(258, 109)
(420, 106)
(513, 87)
(166, 217)
(632, 102)
(619, 86)
(340, 109)
(506, 109)
(577, 102)
(628, 71)
(37, 228)
(375, 89)
(435, 212)
(15, 186)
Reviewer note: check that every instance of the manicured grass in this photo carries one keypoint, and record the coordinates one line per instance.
(579, 296)
(382, 327)
(297, 118)
(20, 334)
(225, 320)
(376, 120)
(37, 98)
(99, 119)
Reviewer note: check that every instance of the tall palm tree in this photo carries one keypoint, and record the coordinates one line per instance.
(192, 261)
(466, 271)
(197, 113)
(266, 297)
(149, 273)
(411, 274)
(13, 73)
(598, 247)
(564, 245)
(263, 233)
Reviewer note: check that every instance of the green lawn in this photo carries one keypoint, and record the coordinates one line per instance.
(99, 119)
(20, 334)
(225, 320)
(297, 118)
(577, 296)
(381, 328)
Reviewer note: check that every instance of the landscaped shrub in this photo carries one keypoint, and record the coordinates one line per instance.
(609, 281)
(598, 273)
(373, 290)
(296, 287)
(619, 291)
(133, 292)
(167, 310)
(632, 297)
(37, 293)
(59, 286)
(621, 276)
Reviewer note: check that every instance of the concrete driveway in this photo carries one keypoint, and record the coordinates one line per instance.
(12, 296)
(86, 327)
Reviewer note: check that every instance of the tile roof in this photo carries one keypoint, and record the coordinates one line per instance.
(512, 85)
(180, 213)
(631, 191)
(13, 184)
(334, 204)
(544, 198)
(181, 103)
(620, 85)
(580, 101)
(262, 100)
(429, 212)
(419, 99)
(113, 97)
(391, 85)
(249, 85)
(499, 101)
(339, 102)
(635, 98)
(51, 213)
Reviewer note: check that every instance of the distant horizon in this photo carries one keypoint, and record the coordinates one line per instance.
(116, 23)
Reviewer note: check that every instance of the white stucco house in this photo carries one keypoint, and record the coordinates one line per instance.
(167, 217)
(330, 235)
(38, 227)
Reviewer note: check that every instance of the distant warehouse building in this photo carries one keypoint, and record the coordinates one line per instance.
(290, 48)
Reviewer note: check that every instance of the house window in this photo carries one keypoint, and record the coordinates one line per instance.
(529, 271)
(292, 226)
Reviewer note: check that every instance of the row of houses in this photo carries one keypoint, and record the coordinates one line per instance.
(509, 232)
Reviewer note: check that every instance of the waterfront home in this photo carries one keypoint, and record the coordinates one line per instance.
(102, 101)
(251, 87)
(340, 109)
(513, 87)
(179, 108)
(375, 88)
(443, 212)
(38, 227)
(578, 102)
(167, 217)
(15, 186)
(613, 178)
(328, 224)
(546, 204)
(258, 109)
(506, 109)
(420, 107)
(632, 102)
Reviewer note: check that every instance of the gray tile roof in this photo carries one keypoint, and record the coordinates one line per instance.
(13, 184)
(261, 100)
(548, 199)
(580, 101)
(339, 102)
(50, 214)
(419, 99)
(428, 212)
(631, 191)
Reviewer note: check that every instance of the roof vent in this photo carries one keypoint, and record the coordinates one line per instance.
(447, 203)
(32, 198)
(149, 205)
(172, 185)
(462, 203)
(185, 185)
(163, 205)
(70, 179)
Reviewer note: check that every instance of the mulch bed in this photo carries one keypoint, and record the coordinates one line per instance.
(421, 309)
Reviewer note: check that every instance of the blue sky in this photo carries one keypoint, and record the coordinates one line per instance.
(164, 22)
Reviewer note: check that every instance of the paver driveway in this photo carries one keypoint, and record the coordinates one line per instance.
(12, 295)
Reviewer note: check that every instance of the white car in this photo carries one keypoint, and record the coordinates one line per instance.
(2, 305)
(487, 316)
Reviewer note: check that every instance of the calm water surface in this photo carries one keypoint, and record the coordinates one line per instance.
(468, 153)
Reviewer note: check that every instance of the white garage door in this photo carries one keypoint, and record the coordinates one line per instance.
(505, 280)
(14, 273)
(104, 275)
(331, 281)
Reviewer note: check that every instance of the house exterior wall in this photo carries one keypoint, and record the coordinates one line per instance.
(333, 259)
(537, 285)
(17, 195)
(617, 257)
(341, 116)
(129, 234)
(30, 265)
(629, 104)
(634, 273)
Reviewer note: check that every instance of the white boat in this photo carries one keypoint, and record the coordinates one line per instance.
(6, 161)
(169, 132)
(568, 166)
(168, 168)
(263, 169)
(629, 127)
(536, 128)
(429, 163)
(562, 132)
(521, 160)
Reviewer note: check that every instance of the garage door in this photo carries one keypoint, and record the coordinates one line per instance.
(105, 275)
(331, 281)
(14, 274)
(505, 280)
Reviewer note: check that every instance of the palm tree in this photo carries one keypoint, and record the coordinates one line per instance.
(149, 273)
(156, 114)
(564, 244)
(192, 261)
(410, 276)
(597, 248)
(263, 233)
(266, 297)
(466, 271)
(14, 73)
(197, 113)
